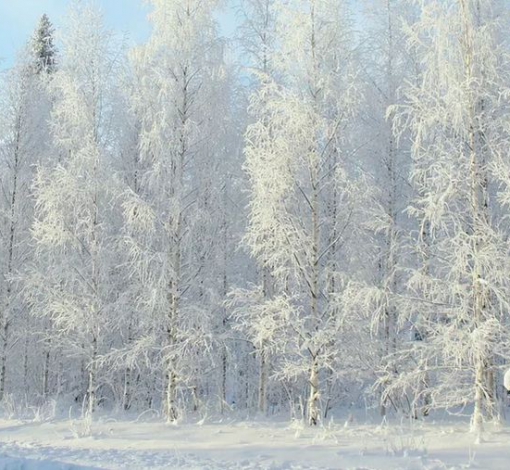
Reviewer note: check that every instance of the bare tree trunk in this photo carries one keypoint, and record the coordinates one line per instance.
(126, 395)
(223, 388)
(92, 386)
(46, 372)
(171, 395)
(224, 357)
(176, 253)
(171, 366)
(268, 292)
(313, 400)
(128, 373)
(262, 405)
(315, 164)
(3, 358)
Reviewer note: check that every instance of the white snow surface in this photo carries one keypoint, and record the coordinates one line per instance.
(250, 445)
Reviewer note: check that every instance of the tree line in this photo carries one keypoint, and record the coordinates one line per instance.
(310, 215)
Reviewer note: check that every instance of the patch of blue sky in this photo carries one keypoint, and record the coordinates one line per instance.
(18, 19)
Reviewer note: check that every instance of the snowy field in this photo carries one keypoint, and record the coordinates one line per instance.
(250, 445)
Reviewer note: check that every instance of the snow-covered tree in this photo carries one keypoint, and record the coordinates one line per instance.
(458, 116)
(42, 46)
(303, 211)
(172, 221)
(74, 287)
(23, 143)
(17, 150)
(258, 36)
(385, 64)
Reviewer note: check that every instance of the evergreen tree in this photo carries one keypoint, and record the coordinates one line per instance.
(42, 46)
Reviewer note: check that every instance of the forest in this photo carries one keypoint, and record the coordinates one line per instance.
(309, 216)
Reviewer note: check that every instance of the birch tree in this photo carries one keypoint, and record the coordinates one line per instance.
(300, 137)
(181, 67)
(74, 200)
(43, 54)
(18, 148)
(24, 142)
(385, 64)
(258, 36)
(460, 134)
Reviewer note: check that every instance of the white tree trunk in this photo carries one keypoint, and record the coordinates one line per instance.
(314, 398)
(263, 376)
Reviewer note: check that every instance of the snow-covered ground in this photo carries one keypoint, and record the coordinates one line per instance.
(363, 443)
(249, 445)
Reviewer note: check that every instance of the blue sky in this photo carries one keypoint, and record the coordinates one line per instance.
(18, 19)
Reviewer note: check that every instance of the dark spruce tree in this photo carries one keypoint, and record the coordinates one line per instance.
(43, 47)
